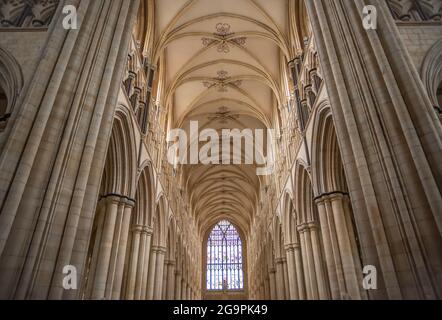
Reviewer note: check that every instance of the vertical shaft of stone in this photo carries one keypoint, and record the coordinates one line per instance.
(280, 290)
(267, 289)
(340, 275)
(84, 225)
(159, 272)
(171, 281)
(95, 253)
(313, 276)
(151, 277)
(165, 278)
(328, 251)
(346, 252)
(189, 296)
(292, 276)
(286, 280)
(143, 267)
(305, 264)
(300, 272)
(317, 257)
(57, 156)
(178, 285)
(183, 289)
(391, 140)
(105, 250)
(115, 248)
(122, 249)
(133, 262)
(273, 289)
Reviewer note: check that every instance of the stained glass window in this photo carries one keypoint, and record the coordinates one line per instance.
(224, 258)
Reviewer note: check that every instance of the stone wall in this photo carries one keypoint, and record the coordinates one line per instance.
(24, 46)
(419, 38)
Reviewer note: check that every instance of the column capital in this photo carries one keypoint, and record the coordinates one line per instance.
(330, 196)
(308, 88)
(292, 247)
(312, 225)
(313, 71)
(159, 249)
(296, 60)
(170, 263)
(119, 199)
(302, 227)
(137, 228)
(147, 230)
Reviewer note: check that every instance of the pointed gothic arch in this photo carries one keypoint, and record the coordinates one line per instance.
(431, 73)
(113, 214)
(342, 251)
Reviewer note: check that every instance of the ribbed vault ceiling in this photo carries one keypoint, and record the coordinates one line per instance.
(222, 61)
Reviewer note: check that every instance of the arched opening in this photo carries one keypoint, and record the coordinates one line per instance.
(225, 262)
(170, 265)
(312, 274)
(140, 239)
(302, 25)
(3, 109)
(342, 248)
(109, 241)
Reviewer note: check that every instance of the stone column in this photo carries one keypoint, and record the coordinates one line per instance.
(350, 263)
(280, 289)
(133, 262)
(292, 276)
(328, 250)
(267, 288)
(151, 276)
(300, 273)
(50, 169)
(186, 293)
(159, 270)
(178, 283)
(108, 273)
(165, 278)
(308, 263)
(171, 281)
(143, 264)
(121, 248)
(261, 291)
(189, 295)
(183, 289)
(273, 290)
(323, 290)
(343, 261)
(391, 141)
(286, 279)
(101, 215)
(335, 246)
